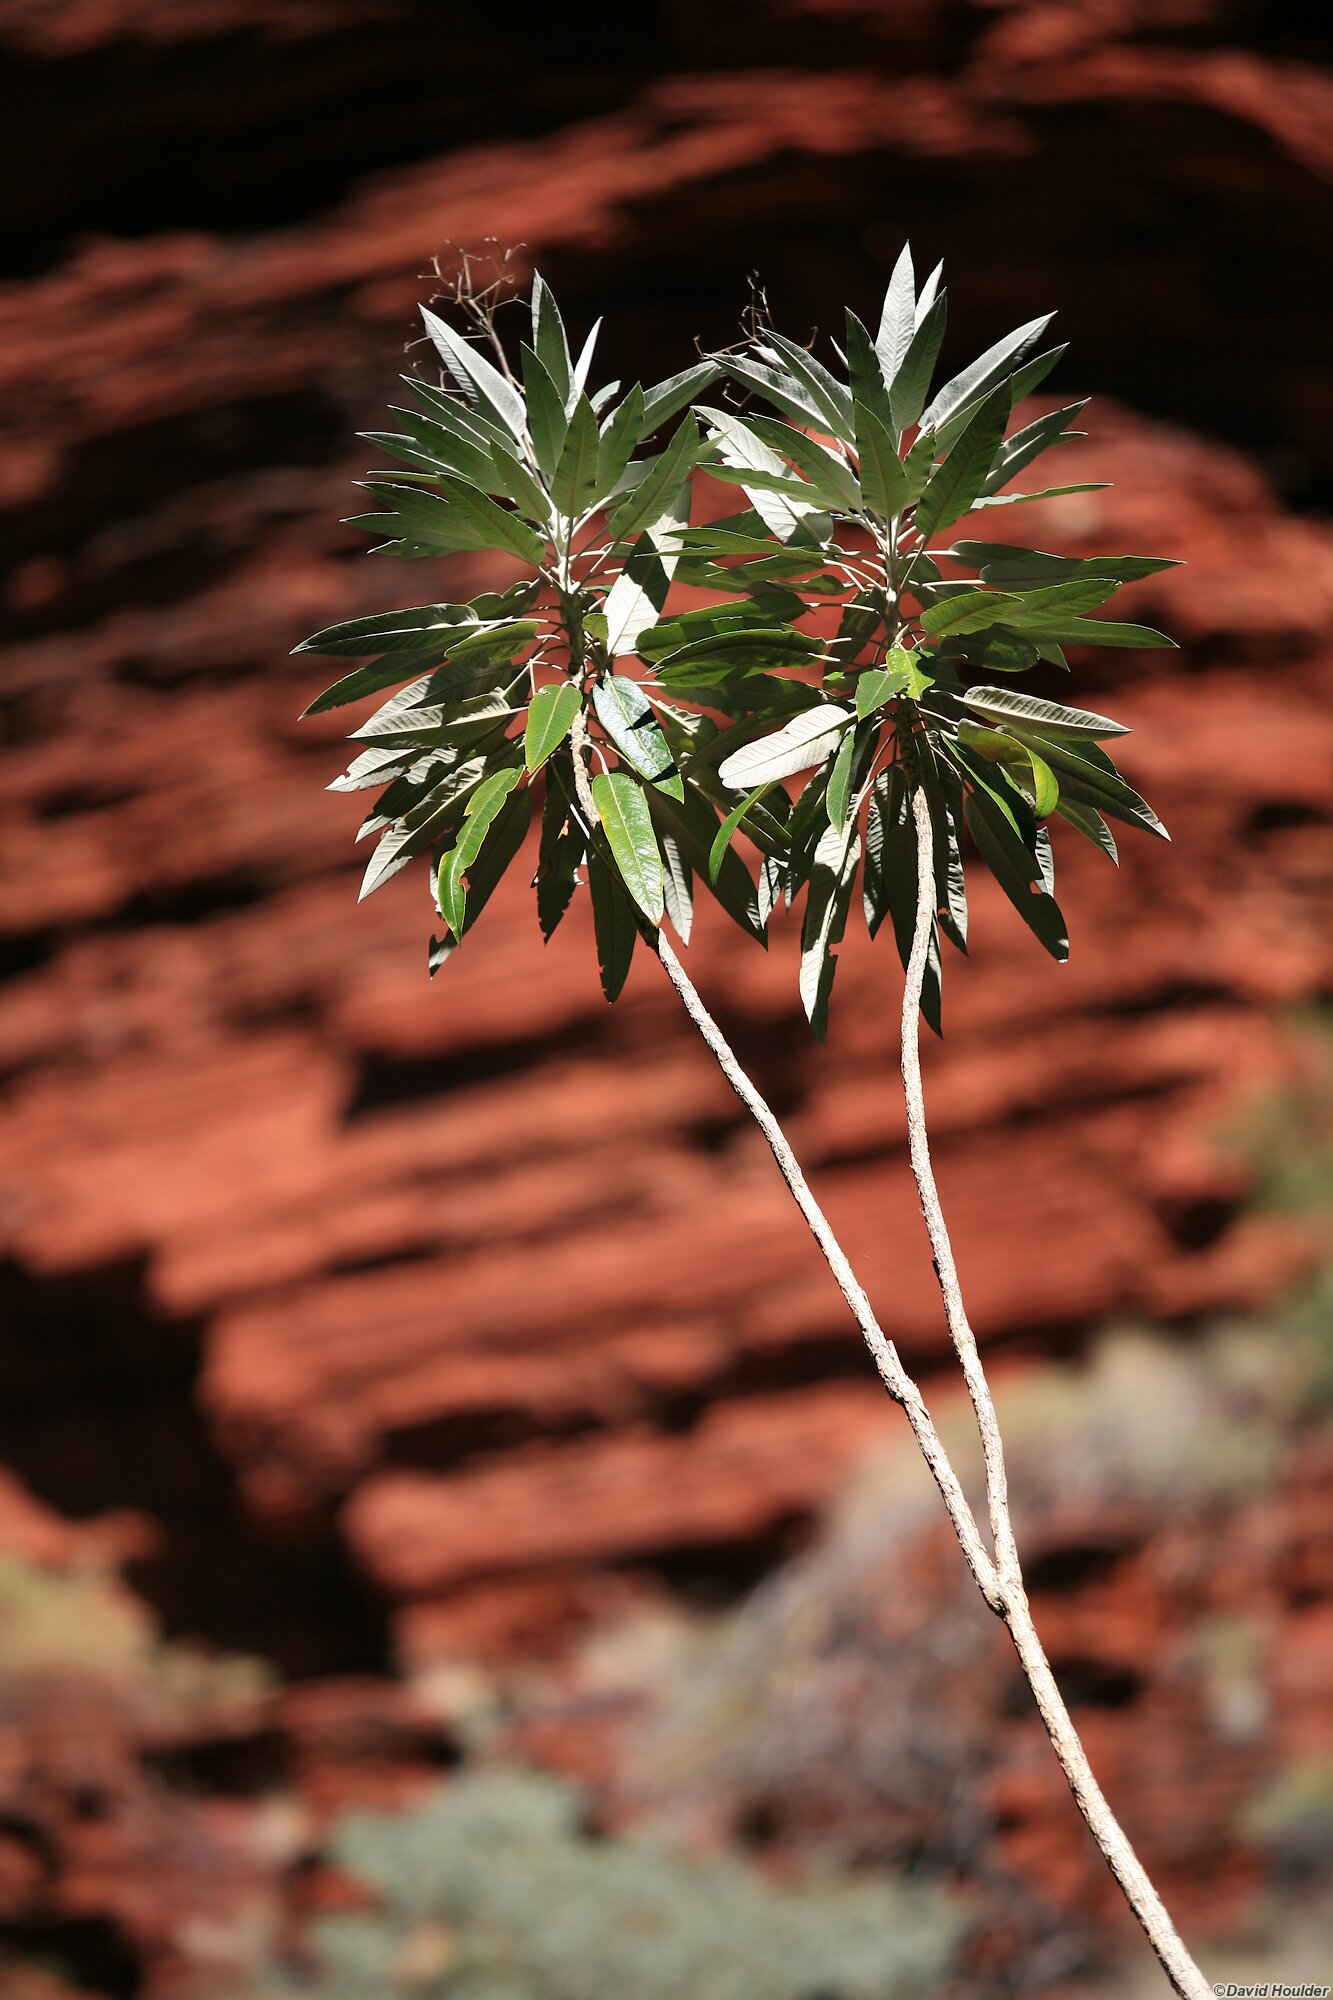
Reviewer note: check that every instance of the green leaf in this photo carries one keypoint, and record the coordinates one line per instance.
(677, 886)
(897, 321)
(770, 608)
(944, 795)
(899, 675)
(636, 597)
(574, 482)
(481, 383)
(824, 389)
(777, 386)
(956, 484)
(1009, 568)
(548, 335)
(561, 849)
(1054, 607)
(994, 652)
(1029, 443)
(1101, 632)
(722, 839)
(666, 398)
(655, 495)
(692, 823)
(613, 924)
(578, 374)
(620, 433)
(980, 376)
(884, 484)
(514, 480)
(808, 739)
(626, 716)
(1046, 493)
(1088, 777)
(968, 611)
(1016, 871)
(831, 883)
(890, 879)
(769, 646)
(546, 411)
(907, 392)
(482, 809)
(507, 833)
(1089, 822)
(838, 796)
(784, 513)
(828, 475)
(459, 517)
(551, 715)
(1007, 706)
(628, 825)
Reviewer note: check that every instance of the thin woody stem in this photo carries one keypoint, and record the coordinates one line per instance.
(883, 1353)
(1013, 1606)
(1000, 1583)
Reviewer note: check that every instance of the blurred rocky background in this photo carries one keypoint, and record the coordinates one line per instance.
(450, 1541)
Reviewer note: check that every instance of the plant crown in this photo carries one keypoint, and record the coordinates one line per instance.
(853, 642)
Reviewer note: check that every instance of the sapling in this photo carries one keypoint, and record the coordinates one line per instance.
(653, 737)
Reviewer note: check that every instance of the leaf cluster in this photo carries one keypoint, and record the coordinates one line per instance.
(850, 645)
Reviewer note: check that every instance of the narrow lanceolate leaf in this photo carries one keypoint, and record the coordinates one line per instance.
(1007, 704)
(636, 597)
(898, 320)
(625, 714)
(578, 374)
(459, 517)
(481, 383)
(692, 823)
(837, 798)
(664, 399)
(783, 513)
(804, 741)
(620, 434)
(832, 880)
(982, 374)
(777, 388)
(944, 795)
(613, 924)
(825, 389)
(955, 486)
(677, 886)
(1088, 777)
(723, 838)
(968, 611)
(508, 831)
(654, 497)
(1010, 568)
(1017, 872)
(1089, 822)
(1102, 632)
(866, 376)
(546, 411)
(574, 482)
(482, 808)
(548, 334)
(831, 481)
(391, 631)
(907, 395)
(890, 879)
(517, 483)
(561, 849)
(1046, 493)
(628, 825)
(1029, 443)
(884, 484)
(551, 715)
(1056, 605)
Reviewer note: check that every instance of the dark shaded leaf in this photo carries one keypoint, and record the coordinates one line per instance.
(613, 924)
(955, 485)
